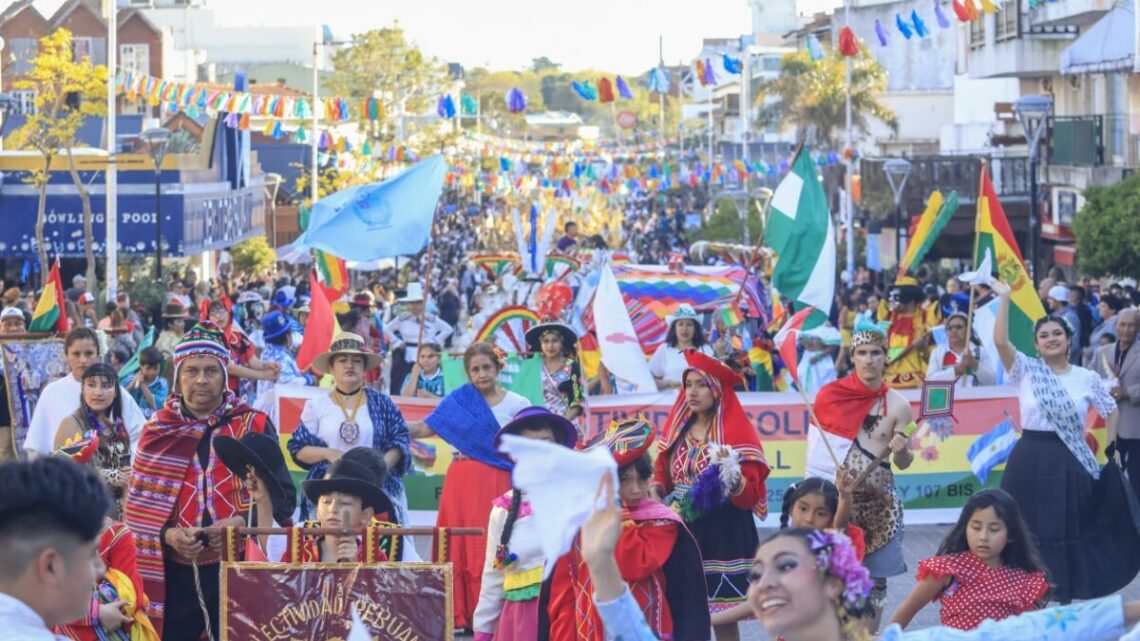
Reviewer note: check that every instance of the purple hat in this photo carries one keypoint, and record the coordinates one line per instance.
(535, 417)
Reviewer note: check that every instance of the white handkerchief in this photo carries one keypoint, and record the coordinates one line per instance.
(560, 485)
(983, 275)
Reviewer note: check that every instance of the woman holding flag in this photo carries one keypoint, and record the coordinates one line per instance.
(1079, 513)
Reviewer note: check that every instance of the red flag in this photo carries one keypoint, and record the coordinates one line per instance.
(253, 552)
(321, 327)
(786, 341)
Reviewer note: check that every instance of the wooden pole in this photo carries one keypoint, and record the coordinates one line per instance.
(977, 241)
(819, 426)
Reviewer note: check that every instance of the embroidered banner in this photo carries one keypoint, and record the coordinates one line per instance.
(277, 602)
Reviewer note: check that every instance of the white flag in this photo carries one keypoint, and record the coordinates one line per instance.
(358, 631)
(621, 350)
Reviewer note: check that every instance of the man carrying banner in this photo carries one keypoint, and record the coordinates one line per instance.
(863, 421)
(179, 488)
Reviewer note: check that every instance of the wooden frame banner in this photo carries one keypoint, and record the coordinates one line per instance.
(314, 601)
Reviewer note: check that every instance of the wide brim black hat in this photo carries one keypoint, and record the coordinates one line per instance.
(534, 336)
(263, 453)
(350, 477)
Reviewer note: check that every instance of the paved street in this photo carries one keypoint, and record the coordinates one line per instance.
(920, 542)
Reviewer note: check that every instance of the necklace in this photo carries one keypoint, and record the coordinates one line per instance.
(349, 429)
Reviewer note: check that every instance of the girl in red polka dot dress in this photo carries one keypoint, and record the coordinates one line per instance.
(987, 567)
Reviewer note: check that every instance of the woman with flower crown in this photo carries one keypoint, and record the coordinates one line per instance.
(469, 418)
(807, 585)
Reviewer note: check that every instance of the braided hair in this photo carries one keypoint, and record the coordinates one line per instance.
(503, 555)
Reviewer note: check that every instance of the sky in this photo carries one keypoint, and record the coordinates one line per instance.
(612, 35)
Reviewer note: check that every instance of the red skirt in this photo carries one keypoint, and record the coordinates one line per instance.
(465, 501)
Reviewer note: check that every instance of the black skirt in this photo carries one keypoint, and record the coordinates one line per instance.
(728, 539)
(1087, 531)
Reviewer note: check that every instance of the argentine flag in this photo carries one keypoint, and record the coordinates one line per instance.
(992, 449)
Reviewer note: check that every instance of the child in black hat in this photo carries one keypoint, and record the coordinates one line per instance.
(349, 496)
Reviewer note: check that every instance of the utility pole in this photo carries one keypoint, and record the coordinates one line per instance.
(111, 173)
(848, 203)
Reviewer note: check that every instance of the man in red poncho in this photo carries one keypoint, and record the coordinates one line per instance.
(180, 495)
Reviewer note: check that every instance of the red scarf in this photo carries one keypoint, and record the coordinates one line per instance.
(842, 405)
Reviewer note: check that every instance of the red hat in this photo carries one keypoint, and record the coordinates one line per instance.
(713, 367)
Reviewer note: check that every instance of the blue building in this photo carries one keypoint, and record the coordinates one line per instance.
(210, 200)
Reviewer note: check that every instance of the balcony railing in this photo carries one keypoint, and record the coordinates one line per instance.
(950, 173)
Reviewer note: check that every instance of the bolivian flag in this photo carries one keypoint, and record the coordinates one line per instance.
(333, 274)
(49, 316)
(994, 234)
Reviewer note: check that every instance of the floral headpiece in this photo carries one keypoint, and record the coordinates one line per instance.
(836, 556)
(500, 356)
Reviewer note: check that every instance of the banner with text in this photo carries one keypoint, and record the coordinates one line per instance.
(940, 476)
(275, 602)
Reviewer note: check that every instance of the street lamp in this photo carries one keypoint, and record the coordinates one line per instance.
(1033, 114)
(157, 139)
(898, 170)
(272, 186)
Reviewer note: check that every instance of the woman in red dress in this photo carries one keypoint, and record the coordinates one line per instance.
(468, 419)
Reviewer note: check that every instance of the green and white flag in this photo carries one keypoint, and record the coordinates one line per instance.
(800, 231)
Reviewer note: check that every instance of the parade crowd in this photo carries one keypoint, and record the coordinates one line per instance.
(137, 460)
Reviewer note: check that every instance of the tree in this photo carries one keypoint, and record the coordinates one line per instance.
(811, 93)
(543, 64)
(253, 255)
(725, 224)
(382, 64)
(1108, 230)
(67, 92)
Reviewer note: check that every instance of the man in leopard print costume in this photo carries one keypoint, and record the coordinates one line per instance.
(863, 418)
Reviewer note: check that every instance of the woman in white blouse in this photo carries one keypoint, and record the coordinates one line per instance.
(960, 359)
(668, 363)
(1090, 545)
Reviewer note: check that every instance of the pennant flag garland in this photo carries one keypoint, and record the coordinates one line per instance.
(848, 44)
(709, 74)
(972, 9)
(658, 80)
(961, 11)
(468, 105)
(919, 26)
(700, 67)
(904, 28)
(732, 65)
(446, 107)
(623, 88)
(881, 32)
(585, 90)
(516, 101)
(605, 90)
(815, 49)
(988, 6)
(940, 15)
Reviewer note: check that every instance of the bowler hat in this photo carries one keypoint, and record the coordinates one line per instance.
(263, 453)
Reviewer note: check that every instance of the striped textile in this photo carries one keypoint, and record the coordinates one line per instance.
(166, 478)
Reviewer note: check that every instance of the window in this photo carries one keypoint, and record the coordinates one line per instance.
(135, 57)
(977, 32)
(25, 102)
(93, 49)
(1006, 20)
(23, 50)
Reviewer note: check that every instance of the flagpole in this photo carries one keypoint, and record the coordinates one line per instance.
(977, 240)
(427, 291)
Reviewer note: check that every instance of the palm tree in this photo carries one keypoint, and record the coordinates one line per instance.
(812, 93)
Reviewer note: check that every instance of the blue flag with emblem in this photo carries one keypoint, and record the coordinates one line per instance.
(381, 220)
(992, 449)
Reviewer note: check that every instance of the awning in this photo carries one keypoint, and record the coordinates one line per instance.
(1109, 45)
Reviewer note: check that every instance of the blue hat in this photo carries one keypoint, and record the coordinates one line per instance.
(274, 324)
(283, 299)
